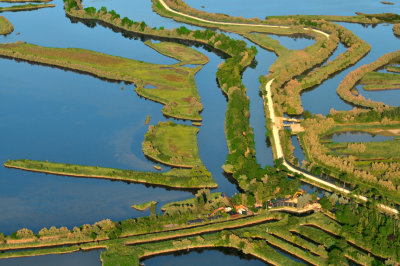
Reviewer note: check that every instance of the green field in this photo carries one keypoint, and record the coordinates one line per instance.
(395, 69)
(173, 144)
(173, 85)
(182, 53)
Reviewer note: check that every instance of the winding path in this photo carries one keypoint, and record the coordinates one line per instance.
(279, 154)
(233, 23)
(275, 130)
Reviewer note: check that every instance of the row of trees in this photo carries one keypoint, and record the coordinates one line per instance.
(344, 89)
(320, 155)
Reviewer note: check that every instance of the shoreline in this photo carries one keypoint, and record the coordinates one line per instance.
(105, 177)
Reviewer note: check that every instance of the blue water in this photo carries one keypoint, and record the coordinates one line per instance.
(298, 151)
(358, 137)
(324, 97)
(87, 258)
(67, 117)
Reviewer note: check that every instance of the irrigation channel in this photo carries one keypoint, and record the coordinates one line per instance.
(68, 117)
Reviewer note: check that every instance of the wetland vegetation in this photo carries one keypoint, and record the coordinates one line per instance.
(348, 229)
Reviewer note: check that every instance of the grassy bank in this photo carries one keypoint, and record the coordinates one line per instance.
(174, 86)
(380, 81)
(173, 144)
(345, 86)
(182, 53)
(25, 7)
(5, 26)
(178, 178)
(144, 206)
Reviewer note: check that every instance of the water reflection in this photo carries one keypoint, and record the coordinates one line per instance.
(88, 258)
(200, 257)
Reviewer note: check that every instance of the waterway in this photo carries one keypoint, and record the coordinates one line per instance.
(82, 258)
(355, 136)
(223, 256)
(64, 116)
(67, 117)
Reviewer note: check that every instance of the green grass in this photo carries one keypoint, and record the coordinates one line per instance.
(180, 52)
(5, 26)
(395, 69)
(173, 144)
(180, 178)
(380, 81)
(174, 86)
(143, 206)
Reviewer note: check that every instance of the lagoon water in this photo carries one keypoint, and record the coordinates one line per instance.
(63, 116)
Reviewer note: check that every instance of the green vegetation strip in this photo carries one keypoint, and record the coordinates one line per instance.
(25, 7)
(380, 81)
(144, 206)
(345, 86)
(173, 144)
(208, 228)
(191, 201)
(174, 86)
(179, 178)
(180, 52)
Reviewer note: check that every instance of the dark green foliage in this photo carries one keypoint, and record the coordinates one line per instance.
(127, 21)
(326, 203)
(183, 31)
(143, 25)
(113, 14)
(90, 10)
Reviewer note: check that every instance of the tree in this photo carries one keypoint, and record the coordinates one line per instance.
(325, 203)
(303, 200)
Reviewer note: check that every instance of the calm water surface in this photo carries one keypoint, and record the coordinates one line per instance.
(87, 258)
(358, 137)
(67, 117)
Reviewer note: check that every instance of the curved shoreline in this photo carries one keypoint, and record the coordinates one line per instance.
(233, 23)
(109, 178)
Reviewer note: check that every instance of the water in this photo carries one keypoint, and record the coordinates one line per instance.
(358, 137)
(324, 97)
(82, 258)
(202, 257)
(137, 10)
(263, 8)
(67, 117)
(298, 151)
